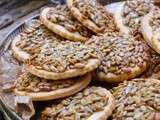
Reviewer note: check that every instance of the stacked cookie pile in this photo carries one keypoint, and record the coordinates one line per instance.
(55, 67)
(68, 43)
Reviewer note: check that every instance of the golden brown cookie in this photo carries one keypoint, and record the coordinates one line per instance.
(92, 15)
(123, 57)
(29, 41)
(60, 21)
(137, 100)
(64, 60)
(93, 103)
(150, 28)
(40, 89)
(129, 14)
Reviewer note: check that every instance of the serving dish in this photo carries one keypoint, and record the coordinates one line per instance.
(13, 67)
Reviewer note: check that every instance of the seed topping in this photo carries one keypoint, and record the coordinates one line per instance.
(79, 107)
(154, 21)
(62, 16)
(31, 83)
(34, 36)
(95, 12)
(60, 57)
(137, 100)
(120, 53)
(133, 11)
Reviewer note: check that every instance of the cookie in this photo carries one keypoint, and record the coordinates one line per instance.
(137, 100)
(92, 15)
(40, 89)
(64, 60)
(29, 41)
(129, 14)
(123, 57)
(93, 103)
(59, 20)
(150, 29)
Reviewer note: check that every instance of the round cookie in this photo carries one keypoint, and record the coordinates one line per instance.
(129, 14)
(92, 15)
(150, 28)
(93, 103)
(123, 57)
(60, 21)
(40, 89)
(137, 100)
(29, 41)
(64, 60)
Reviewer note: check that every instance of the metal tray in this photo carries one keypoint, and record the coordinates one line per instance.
(4, 108)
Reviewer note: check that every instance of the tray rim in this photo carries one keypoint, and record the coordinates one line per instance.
(7, 40)
(4, 46)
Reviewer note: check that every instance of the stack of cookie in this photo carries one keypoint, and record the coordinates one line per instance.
(56, 67)
(58, 62)
(67, 43)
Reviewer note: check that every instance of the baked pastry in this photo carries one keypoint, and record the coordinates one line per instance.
(150, 28)
(29, 41)
(40, 89)
(93, 103)
(64, 60)
(154, 69)
(92, 15)
(60, 21)
(129, 14)
(123, 57)
(137, 100)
